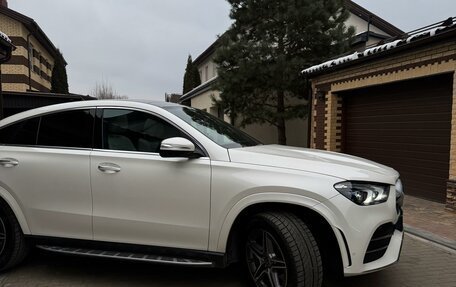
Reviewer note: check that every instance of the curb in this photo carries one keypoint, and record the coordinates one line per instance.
(430, 236)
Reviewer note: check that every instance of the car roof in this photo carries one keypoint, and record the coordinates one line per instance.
(145, 104)
(160, 104)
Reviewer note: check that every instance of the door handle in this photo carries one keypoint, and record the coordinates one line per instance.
(109, 168)
(9, 162)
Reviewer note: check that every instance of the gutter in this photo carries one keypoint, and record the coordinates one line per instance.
(198, 90)
(451, 33)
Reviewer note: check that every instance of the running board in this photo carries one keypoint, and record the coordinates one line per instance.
(126, 256)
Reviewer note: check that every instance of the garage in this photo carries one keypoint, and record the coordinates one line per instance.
(394, 103)
(405, 125)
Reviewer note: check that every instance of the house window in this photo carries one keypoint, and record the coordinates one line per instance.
(214, 70)
(206, 71)
(220, 113)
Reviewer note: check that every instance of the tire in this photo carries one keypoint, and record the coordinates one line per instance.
(291, 257)
(13, 247)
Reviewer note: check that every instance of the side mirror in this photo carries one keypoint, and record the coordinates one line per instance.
(177, 147)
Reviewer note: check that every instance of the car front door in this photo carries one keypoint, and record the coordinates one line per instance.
(140, 197)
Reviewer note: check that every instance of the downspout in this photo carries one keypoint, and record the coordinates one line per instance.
(30, 62)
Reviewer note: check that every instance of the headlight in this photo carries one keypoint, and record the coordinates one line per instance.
(399, 193)
(364, 193)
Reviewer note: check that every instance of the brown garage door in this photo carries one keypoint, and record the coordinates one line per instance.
(406, 126)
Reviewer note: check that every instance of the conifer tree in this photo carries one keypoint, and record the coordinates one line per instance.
(191, 76)
(59, 79)
(261, 56)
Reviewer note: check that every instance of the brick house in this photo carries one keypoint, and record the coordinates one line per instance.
(30, 67)
(394, 103)
(369, 28)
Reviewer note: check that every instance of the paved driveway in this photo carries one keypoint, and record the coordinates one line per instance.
(421, 264)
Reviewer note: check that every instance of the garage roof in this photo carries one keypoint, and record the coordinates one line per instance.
(407, 40)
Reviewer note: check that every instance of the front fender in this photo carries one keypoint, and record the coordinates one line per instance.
(270, 197)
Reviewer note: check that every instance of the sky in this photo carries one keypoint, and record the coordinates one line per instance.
(140, 47)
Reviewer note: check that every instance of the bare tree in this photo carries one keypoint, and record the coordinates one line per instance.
(105, 91)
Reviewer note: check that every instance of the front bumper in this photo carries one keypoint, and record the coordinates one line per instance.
(371, 235)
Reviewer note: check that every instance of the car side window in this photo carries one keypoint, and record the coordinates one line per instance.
(67, 129)
(21, 133)
(130, 130)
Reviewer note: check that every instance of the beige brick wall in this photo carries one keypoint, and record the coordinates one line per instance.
(10, 27)
(14, 69)
(14, 87)
(333, 122)
(452, 175)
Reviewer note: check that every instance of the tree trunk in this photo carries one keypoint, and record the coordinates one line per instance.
(281, 130)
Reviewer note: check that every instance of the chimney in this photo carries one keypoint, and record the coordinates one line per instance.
(4, 3)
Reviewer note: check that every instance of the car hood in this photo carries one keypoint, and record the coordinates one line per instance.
(334, 164)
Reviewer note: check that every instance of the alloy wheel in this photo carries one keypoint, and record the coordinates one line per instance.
(265, 260)
(2, 236)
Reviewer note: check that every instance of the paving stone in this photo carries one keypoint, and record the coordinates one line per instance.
(422, 265)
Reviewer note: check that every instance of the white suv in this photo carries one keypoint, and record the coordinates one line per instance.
(165, 183)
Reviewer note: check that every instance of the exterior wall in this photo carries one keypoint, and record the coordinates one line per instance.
(38, 76)
(296, 132)
(207, 69)
(361, 25)
(267, 134)
(426, 61)
(451, 187)
(204, 102)
(14, 87)
(15, 73)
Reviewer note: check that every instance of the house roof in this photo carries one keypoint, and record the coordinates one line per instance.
(375, 20)
(354, 8)
(207, 53)
(51, 95)
(34, 28)
(409, 40)
(198, 90)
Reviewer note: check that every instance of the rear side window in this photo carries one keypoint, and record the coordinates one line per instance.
(67, 129)
(21, 133)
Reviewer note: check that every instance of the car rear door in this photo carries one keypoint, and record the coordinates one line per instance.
(44, 164)
(140, 197)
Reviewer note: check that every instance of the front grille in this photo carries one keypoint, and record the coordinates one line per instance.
(379, 242)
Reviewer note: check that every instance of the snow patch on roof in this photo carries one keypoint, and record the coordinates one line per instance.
(431, 32)
(5, 37)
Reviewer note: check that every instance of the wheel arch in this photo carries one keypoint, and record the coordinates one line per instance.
(7, 199)
(329, 239)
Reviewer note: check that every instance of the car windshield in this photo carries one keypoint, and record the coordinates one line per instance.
(215, 129)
